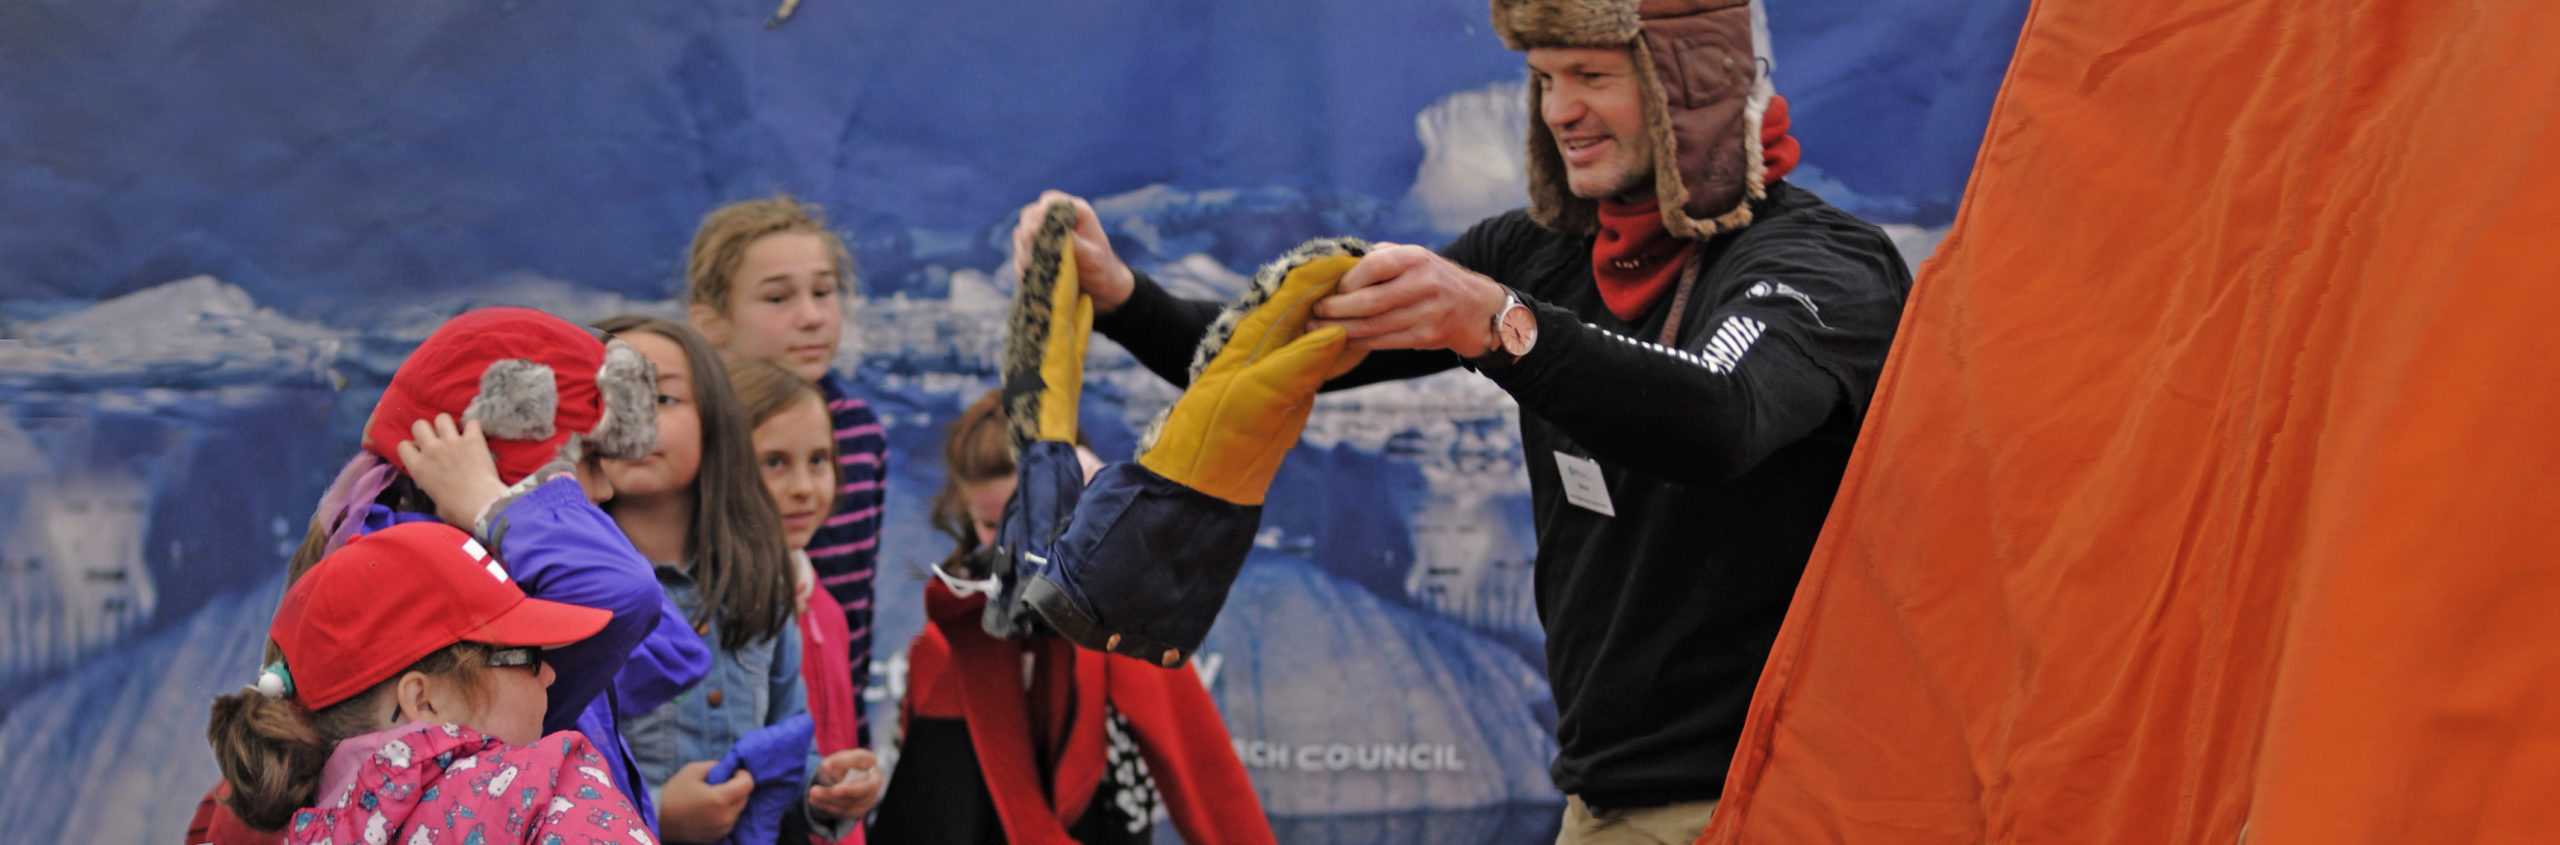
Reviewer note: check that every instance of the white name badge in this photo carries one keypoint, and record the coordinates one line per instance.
(1584, 485)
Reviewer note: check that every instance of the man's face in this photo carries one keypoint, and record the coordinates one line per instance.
(1591, 102)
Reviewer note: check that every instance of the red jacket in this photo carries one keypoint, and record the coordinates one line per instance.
(956, 670)
(834, 708)
(214, 824)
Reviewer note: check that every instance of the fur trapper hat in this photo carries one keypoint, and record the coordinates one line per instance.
(544, 389)
(1702, 67)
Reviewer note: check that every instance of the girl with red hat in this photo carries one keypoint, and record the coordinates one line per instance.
(408, 706)
(496, 424)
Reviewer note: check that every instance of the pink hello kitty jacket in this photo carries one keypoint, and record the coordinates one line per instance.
(421, 784)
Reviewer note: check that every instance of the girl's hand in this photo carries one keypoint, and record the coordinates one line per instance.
(847, 785)
(804, 580)
(690, 810)
(453, 466)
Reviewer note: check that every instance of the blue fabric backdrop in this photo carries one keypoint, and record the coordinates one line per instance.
(223, 223)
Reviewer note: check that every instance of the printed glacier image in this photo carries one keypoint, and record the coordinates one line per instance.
(224, 225)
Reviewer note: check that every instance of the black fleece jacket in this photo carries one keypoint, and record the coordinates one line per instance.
(1720, 456)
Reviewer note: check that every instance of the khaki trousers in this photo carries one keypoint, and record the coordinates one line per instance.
(1672, 824)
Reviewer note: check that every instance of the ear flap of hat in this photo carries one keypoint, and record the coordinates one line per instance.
(628, 384)
(516, 402)
(1705, 95)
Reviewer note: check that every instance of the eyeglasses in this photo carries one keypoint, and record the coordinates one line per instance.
(527, 657)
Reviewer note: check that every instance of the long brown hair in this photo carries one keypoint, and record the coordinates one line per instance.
(271, 750)
(720, 244)
(974, 450)
(735, 541)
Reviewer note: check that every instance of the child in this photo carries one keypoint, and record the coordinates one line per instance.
(795, 449)
(409, 704)
(1097, 583)
(1078, 771)
(766, 279)
(697, 508)
(539, 399)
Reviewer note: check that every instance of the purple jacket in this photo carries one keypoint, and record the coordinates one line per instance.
(560, 547)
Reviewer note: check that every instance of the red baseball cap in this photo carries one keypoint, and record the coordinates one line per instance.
(371, 609)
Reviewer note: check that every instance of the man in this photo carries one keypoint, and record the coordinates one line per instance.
(1692, 343)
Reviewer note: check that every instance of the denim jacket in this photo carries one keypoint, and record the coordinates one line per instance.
(747, 688)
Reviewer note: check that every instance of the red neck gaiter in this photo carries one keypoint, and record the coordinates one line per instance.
(1635, 259)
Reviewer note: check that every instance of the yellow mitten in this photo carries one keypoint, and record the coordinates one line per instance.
(1045, 341)
(1254, 379)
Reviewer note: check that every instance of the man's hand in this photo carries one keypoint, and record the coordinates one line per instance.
(1407, 297)
(1098, 270)
(847, 785)
(690, 810)
(453, 466)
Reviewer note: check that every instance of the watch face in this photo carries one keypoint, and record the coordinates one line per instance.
(1519, 330)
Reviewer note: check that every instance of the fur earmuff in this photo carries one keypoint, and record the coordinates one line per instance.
(1266, 282)
(516, 402)
(628, 384)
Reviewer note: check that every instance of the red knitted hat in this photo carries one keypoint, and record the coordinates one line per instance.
(396, 595)
(534, 381)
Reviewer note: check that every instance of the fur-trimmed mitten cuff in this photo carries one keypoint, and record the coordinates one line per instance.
(1045, 339)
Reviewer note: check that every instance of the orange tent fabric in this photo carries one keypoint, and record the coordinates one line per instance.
(2215, 480)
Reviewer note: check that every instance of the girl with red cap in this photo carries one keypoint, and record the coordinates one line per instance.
(496, 424)
(408, 706)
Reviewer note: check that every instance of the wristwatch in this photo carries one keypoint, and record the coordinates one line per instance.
(1514, 331)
